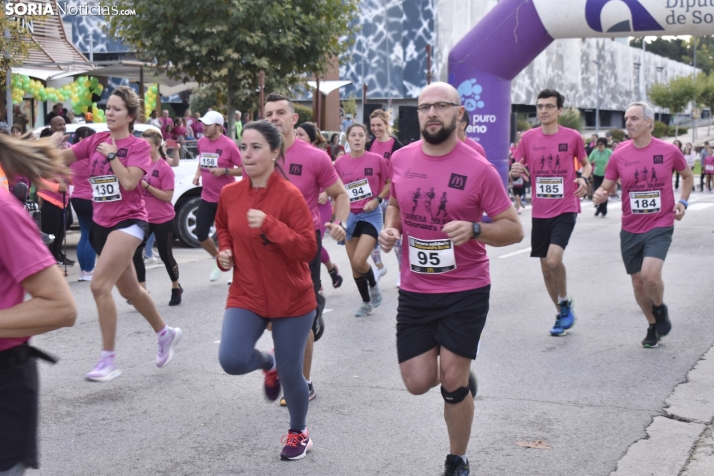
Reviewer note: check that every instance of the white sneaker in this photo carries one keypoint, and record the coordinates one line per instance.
(399, 280)
(216, 273)
(378, 273)
(105, 370)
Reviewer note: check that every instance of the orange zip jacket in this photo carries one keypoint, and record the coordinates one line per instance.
(271, 276)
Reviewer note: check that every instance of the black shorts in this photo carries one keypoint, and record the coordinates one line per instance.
(18, 412)
(205, 216)
(635, 247)
(551, 231)
(451, 320)
(99, 234)
(365, 228)
(519, 191)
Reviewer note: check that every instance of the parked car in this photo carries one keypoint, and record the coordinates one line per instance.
(187, 196)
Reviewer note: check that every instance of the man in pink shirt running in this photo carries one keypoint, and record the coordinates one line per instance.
(463, 124)
(550, 152)
(445, 280)
(644, 166)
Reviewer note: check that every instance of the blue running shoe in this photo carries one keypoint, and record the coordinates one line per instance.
(567, 316)
(558, 329)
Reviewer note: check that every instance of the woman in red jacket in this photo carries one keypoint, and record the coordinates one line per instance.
(264, 222)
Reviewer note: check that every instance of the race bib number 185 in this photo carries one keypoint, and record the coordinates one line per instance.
(431, 256)
(549, 187)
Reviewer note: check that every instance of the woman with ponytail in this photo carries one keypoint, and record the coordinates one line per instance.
(158, 190)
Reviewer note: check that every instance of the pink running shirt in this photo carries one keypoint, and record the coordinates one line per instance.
(111, 206)
(310, 170)
(550, 160)
(222, 153)
(432, 191)
(160, 175)
(646, 178)
(475, 146)
(22, 255)
(364, 178)
(80, 179)
(382, 149)
(708, 166)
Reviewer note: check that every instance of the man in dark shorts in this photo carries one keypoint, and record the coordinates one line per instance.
(445, 282)
(556, 189)
(648, 212)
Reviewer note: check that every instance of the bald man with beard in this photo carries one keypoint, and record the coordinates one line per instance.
(445, 282)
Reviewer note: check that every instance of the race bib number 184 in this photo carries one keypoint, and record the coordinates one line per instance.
(645, 202)
(431, 256)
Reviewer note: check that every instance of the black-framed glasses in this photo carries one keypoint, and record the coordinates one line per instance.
(549, 107)
(439, 106)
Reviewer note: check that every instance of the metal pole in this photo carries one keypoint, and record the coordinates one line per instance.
(141, 94)
(389, 72)
(262, 92)
(694, 103)
(597, 106)
(8, 83)
(428, 64)
(91, 47)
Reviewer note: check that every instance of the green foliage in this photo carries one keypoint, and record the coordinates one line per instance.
(522, 123)
(660, 129)
(675, 131)
(202, 99)
(17, 48)
(617, 134)
(227, 43)
(682, 50)
(304, 113)
(571, 118)
(350, 105)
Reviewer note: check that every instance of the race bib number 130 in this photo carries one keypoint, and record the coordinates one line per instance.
(105, 188)
(431, 256)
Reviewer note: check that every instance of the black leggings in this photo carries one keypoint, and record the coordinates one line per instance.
(52, 223)
(597, 181)
(165, 241)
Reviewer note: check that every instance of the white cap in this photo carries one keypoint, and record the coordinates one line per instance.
(212, 117)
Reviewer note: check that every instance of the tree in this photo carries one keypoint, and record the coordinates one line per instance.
(227, 43)
(681, 50)
(705, 83)
(15, 49)
(674, 95)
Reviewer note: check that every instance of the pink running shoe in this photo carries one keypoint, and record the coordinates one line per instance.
(105, 370)
(297, 444)
(167, 343)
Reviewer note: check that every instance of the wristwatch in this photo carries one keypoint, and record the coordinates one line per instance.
(341, 223)
(111, 156)
(225, 171)
(379, 199)
(477, 231)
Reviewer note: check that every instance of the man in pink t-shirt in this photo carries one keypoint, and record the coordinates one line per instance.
(445, 281)
(550, 153)
(463, 124)
(310, 170)
(219, 164)
(165, 120)
(644, 166)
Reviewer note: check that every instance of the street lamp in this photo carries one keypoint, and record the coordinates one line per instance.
(659, 72)
(597, 106)
(639, 84)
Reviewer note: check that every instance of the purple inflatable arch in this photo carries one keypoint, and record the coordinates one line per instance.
(483, 64)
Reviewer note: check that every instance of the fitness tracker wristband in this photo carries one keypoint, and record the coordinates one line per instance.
(684, 202)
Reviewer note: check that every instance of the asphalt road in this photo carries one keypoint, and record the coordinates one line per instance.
(588, 395)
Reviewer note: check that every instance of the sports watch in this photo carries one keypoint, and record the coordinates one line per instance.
(477, 231)
(341, 223)
(111, 156)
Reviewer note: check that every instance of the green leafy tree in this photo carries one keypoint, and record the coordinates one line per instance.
(705, 83)
(571, 118)
(227, 43)
(15, 49)
(674, 95)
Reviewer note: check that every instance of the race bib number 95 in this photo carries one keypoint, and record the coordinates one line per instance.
(105, 188)
(209, 161)
(645, 202)
(431, 256)
(549, 187)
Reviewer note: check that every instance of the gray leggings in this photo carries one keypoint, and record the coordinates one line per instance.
(238, 355)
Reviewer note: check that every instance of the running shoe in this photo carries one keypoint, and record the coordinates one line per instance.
(297, 444)
(271, 384)
(399, 280)
(62, 260)
(176, 296)
(167, 343)
(378, 273)
(318, 325)
(557, 329)
(376, 294)
(310, 394)
(364, 310)
(652, 339)
(85, 275)
(336, 277)
(455, 466)
(663, 324)
(567, 315)
(473, 384)
(216, 273)
(105, 370)
(230, 281)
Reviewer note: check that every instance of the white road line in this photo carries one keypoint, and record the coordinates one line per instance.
(699, 206)
(327, 310)
(515, 253)
(217, 342)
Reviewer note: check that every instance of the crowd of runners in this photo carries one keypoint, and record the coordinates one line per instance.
(437, 202)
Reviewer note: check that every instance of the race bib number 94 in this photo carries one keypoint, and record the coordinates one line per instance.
(209, 161)
(105, 188)
(358, 190)
(645, 202)
(431, 256)
(549, 187)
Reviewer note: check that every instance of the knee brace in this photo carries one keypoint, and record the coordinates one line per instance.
(457, 396)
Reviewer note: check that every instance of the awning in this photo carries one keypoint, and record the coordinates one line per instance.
(43, 74)
(326, 87)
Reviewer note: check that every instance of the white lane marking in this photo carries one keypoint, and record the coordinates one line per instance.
(217, 342)
(327, 310)
(699, 206)
(526, 250)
